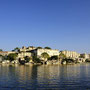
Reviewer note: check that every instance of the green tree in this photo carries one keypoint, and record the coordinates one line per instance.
(1, 50)
(27, 59)
(12, 56)
(62, 56)
(47, 48)
(39, 47)
(36, 60)
(87, 60)
(16, 49)
(81, 56)
(45, 55)
(1, 55)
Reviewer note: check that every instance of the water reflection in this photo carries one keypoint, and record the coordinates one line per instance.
(67, 77)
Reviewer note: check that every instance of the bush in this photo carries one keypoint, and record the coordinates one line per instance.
(12, 56)
(87, 60)
(36, 60)
(39, 47)
(1, 50)
(53, 58)
(22, 61)
(62, 56)
(45, 55)
(27, 59)
(47, 48)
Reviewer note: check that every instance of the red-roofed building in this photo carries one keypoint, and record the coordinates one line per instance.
(3, 53)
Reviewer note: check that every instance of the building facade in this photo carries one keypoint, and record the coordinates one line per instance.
(70, 54)
(24, 54)
(50, 52)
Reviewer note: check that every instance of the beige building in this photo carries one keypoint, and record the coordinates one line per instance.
(50, 52)
(10, 52)
(23, 54)
(70, 54)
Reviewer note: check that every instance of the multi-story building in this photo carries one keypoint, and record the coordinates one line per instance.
(50, 52)
(24, 54)
(70, 54)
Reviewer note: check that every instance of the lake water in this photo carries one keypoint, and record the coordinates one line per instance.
(45, 77)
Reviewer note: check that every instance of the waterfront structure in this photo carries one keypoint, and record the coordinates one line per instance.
(44, 55)
(50, 52)
(24, 49)
(70, 54)
(24, 54)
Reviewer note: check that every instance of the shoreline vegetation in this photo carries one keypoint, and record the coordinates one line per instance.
(39, 56)
(26, 64)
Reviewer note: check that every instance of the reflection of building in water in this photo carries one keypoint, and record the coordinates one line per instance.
(21, 73)
(47, 75)
(73, 71)
(86, 69)
(26, 73)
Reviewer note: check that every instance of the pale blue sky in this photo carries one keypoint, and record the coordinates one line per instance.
(60, 24)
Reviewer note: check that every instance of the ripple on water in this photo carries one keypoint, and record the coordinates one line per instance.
(53, 77)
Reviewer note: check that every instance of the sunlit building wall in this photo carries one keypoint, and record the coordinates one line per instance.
(71, 54)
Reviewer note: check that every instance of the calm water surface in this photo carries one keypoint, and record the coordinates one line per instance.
(45, 77)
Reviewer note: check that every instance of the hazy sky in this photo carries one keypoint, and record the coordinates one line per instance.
(60, 24)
